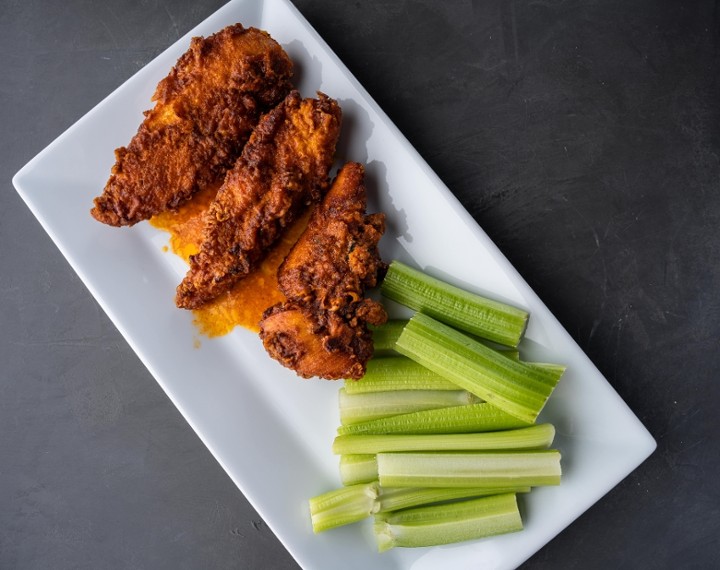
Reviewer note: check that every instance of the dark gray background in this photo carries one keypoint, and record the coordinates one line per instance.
(583, 137)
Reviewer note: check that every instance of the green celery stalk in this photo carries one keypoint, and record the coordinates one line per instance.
(343, 506)
(456, 419)
(448, 523)
(533, 437)
(556, 369)
(356, 468)
(513, 386)
(355, 408)
(353, 503)
(397, 498)
(495, 321)
(392, 373)
(385, 335)
(511, 353)
(469, 469)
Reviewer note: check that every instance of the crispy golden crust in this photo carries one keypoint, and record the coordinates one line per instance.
(322, 328)
(205, 110)
(283, 168)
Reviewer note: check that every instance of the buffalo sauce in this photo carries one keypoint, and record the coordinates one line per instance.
(245, 303)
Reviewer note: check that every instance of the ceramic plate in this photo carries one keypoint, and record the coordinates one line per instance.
(271, 431)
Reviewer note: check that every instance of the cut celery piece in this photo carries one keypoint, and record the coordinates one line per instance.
(448, 523)
(350, 504)
(510, 353)
(469, 469)
(495, 321)
(385, 335)
(391, 373)
(343, 506)
(554, 369)
(456, 419)
(397, 498)
(356, 469)
(355, 408)
(533, 437)
(513, 386)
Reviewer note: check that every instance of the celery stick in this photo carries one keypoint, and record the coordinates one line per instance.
(355, 408)
(353, 503)
(533, 437)
(396, 498)
(515, 387)
(556, 369)
(448, 523)
(456, 419)
(467, 311)
(384, 336)
(391, 373)
(511, 353)
(343, 506)
(356, 469)
(469, 469)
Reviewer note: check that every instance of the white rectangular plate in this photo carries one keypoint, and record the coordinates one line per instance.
(269, 430)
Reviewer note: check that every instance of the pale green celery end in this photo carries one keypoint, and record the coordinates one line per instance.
(328, 520)
(338, 497)
(366, 406)
(446, 524)
(383, 536)
(513, 386)
(533, 437)
(343, 506)
(495, 321)
(357, 468)
(557, 369)
(469, 469)
(457, 419)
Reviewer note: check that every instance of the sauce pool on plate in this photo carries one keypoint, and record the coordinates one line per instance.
(244, 304)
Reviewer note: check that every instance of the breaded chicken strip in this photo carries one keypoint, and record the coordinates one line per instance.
(283, 168)
(205, 110)
(321, 330)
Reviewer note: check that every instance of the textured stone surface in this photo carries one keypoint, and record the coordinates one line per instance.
(582, 136)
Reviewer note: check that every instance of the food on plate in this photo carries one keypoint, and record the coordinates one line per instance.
(321, 330)
(243, 305)
(518, 388)
(432, 465)
(498, 322)
(205, 110)
(282, 169)
(358, 501)
(441, 437)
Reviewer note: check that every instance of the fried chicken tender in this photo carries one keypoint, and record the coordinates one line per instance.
(321, 330)
(283, 168)
(205, 110)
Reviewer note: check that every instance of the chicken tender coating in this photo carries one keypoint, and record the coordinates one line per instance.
(204, 113)
(321, 330)
(283, 168)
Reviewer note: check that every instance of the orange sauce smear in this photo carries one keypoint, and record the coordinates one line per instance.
(244, 304)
